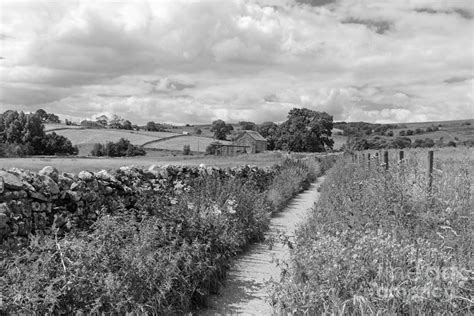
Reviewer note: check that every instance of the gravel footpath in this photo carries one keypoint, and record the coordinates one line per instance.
(244, 291)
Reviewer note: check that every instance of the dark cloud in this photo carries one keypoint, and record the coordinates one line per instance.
(316, 3)
(270, 98)
(456, 79)
(378, 26)
(466, 14)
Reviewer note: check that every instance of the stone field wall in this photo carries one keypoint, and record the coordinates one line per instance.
(38, 203)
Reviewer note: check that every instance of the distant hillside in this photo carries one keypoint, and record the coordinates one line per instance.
(196, 143)
(423, 134)
(86, 138)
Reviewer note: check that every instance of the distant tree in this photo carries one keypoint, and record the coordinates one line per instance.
(198, 131)
(53, 118)
(186, 150)
(150, 126)
(410, 132)
(270, 131)
(103, 120)
(42, 114)
(305, 130)
(451, 144)
(121, 148)
(401, 133)
(154, 127)
(127, 125)
(250, 126)
(221, 129)
(98, 150)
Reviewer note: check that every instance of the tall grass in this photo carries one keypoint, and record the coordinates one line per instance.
(382, 242)
(164, 258)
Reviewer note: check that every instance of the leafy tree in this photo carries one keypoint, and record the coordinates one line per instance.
(305, 131)
(154, 127)
(121, 148)
(249, 126)
(198, 131)
(53, 118)
(221, 129)
(269, 130)
(42, 114)
(103, 120)
(23, 134)
(127, 125)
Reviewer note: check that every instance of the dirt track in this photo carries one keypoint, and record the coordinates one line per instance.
(244, 291)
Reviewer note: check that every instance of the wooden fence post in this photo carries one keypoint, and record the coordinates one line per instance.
(385, 159)
(368, 161)
(401, 155)
(430, 170)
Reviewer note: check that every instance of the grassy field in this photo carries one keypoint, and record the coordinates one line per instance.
(86, 138)
(75, 165)
(197, 144)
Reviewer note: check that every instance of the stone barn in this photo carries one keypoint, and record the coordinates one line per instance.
(255, 142)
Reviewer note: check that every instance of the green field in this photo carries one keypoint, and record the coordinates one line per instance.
(76, 164)
(197, 144)
(86, 138)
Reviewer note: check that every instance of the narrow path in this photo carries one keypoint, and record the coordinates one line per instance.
(244, 291)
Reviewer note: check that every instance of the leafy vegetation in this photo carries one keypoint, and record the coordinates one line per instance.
(23, 134)
(163, 257)
(122, 148)
(221, 129)
(384, 242)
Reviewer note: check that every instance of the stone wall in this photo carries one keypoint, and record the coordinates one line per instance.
(38, 203)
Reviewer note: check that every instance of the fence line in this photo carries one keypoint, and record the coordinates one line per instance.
(359, 158)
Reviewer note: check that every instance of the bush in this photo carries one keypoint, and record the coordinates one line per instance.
(410, 132)
(380, 243)
(186, 150)
(122, 148)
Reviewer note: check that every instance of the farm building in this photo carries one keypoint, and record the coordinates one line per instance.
(231, 150)
(255, 142)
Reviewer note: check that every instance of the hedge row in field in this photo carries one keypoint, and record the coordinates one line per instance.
(161, 243)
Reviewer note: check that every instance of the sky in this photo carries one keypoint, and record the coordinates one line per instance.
(190, 61)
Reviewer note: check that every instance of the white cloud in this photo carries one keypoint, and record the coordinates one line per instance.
(195, 61)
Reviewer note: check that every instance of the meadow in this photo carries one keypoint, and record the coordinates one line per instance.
(77, 164)
(385, 241)
(196, 143)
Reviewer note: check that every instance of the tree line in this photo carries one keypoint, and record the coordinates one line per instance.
(23, 134)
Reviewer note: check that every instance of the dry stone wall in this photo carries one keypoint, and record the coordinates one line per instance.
(38, 203)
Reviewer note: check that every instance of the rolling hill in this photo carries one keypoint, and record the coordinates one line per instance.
(86, 138)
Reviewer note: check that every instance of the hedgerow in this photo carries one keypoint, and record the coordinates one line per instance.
(383, 242)
(163, 257)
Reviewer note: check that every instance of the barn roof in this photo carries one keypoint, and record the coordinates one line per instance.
(255, 135)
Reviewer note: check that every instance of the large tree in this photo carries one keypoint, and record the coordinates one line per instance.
(221, 129)
(305, 130)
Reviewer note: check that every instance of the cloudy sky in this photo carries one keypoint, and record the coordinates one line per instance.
(190, 61)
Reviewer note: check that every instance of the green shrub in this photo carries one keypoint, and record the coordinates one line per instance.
(122, 148)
